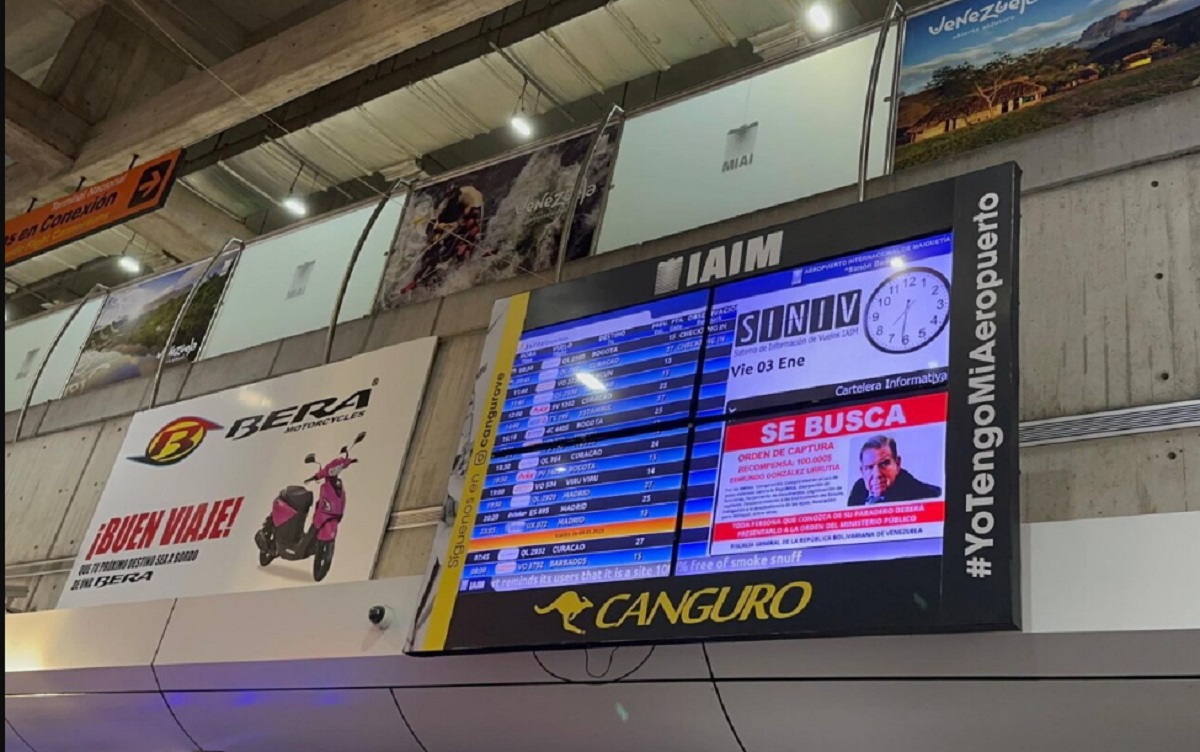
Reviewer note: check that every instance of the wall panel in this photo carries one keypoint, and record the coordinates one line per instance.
(1110, 291)
(1150, 473)
(439, 426)
(91, 485)
(286, 284)
(681, 166)
(405, 552)
(40, 478)
(25, 347)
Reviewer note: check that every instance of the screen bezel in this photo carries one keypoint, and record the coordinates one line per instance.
(965, 603)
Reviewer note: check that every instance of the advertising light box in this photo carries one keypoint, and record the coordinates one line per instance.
(808, 430)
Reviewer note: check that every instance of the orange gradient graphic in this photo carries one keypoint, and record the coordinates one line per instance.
(175, 441)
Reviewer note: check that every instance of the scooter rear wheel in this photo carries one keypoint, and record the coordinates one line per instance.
(322, 559)
(265, 540)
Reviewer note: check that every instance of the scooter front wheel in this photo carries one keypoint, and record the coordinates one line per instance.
(265, 557)
(322, 559)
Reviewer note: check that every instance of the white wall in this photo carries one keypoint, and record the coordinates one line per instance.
(668, 177)
(38, 334)
(257, 307)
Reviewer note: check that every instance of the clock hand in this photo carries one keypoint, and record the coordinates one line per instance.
(903, 313)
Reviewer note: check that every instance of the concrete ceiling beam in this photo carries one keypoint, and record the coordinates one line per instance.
(189, 227)
(39, 133)
(202, 31)
(349, 36)
(78, 9)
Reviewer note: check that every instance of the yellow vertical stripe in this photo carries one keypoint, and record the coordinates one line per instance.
(481, 454)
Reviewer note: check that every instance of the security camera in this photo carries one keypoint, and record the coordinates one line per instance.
(381, 617)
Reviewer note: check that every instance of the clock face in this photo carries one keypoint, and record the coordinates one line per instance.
(909, 310)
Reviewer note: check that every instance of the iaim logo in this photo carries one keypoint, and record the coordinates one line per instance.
(668, 276)
(719, 262)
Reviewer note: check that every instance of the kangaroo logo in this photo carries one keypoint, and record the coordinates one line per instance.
(569, 605)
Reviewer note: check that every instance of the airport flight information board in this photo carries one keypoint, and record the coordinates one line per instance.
(818, 438)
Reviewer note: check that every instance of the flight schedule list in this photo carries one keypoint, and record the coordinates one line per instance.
(606, 373)
(592, 512)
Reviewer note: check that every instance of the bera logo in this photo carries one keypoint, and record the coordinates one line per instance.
(176, 441)
(322, 412)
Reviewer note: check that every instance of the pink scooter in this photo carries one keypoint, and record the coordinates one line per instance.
(282, 534)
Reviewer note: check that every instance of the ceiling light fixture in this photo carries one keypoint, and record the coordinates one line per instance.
(519, 121)
(819, 17)
(295, 206)
(293, 203)
(129, 264)
(521, 125)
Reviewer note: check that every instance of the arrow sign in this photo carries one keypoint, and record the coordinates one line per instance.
(98, 206)
(152, 180)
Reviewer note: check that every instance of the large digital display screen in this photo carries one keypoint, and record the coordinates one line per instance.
(621, 370)
(852, 483)
(815, 447)
(589, 512)
(868, 323)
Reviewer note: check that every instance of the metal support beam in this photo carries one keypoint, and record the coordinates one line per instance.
(97, 290)
(505, 28)
(187, 302)
(362, 240)
(564, 237)
(894, 12)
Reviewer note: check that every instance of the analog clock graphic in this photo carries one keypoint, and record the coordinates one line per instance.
(908, 310)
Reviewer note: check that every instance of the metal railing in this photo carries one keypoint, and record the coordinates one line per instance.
(37, 376)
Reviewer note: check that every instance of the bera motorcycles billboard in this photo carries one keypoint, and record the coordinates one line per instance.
(276, 484)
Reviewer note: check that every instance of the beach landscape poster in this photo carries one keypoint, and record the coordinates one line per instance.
(131, 330)
(978, 72)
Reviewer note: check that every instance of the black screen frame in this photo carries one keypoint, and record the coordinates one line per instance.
(902, 596)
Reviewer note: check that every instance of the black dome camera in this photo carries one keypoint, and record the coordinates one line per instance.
(381, 617)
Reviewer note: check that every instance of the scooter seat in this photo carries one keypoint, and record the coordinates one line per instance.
(298, 498)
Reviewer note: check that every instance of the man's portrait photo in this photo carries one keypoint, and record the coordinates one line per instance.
(883, 479)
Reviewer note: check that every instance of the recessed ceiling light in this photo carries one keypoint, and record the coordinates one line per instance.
(129, 264)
